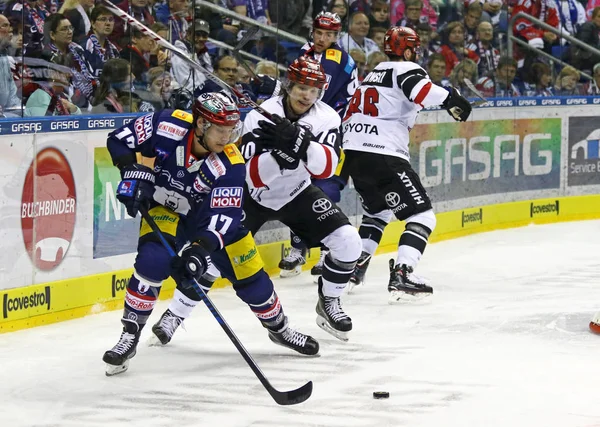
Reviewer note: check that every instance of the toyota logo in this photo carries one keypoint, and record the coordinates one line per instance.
(321, 205)
(392, 199)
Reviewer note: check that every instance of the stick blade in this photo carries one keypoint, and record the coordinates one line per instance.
(292, 397)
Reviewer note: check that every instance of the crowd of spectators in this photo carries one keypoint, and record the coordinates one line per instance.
(63, 57)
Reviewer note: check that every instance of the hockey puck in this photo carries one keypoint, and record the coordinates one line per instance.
(381, 394)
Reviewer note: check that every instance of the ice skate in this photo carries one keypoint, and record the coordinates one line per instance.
(358, 275)
(405, 286)
(292, 264)
(163, 330)
(117, 358)
(297, 341)
(331, 317)
(317, 270)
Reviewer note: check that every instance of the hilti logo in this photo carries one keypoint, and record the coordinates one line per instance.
(411, 188)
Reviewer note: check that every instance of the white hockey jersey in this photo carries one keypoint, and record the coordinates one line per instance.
(385, 106)
(274, 187)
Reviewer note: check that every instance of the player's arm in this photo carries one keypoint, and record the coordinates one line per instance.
(418, 88)
(134, 137)
(322, 157)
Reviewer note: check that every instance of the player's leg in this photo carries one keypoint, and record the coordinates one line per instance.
(152, 266)
(291, 264)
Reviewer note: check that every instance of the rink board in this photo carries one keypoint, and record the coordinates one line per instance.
(67, 245)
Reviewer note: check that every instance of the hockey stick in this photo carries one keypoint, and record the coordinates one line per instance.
(473, 89)
(291, 397)
(250, 32)
(164, 43)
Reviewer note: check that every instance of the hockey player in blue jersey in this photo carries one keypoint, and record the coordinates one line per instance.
(194, 194)
(342, 81)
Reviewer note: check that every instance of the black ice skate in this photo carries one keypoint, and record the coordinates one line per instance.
(297, 341)
(292, 264)
(317, 270)
(166, 326)
(117, 358)
(405, 286)
(358, 275)
(331, 317)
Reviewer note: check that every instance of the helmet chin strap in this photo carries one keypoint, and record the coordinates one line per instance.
(201, 137)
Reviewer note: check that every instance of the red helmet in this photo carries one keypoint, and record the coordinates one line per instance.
(327, 21)
(216, 108)
(306, 71)
(398, 39)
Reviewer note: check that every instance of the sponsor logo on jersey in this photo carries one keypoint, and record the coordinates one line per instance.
(48, 209)
(361, 128)
(471, 217)
(233, 154)
(143, 127)
(392, 199)
(25, 302)
(547, 208)
(138, 303)
(333, 55)
(171, 131)
(182, 115)
(118, 285)
(244, 258)
(412, 190)
(226, 197)
(321, 205)
(215, 165)
(200, 186)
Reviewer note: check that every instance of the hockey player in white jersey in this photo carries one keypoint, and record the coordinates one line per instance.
(302, 142)
(376, 125)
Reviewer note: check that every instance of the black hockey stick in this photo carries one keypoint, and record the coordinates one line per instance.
(478, 94)
(167, 45)
(291, 397)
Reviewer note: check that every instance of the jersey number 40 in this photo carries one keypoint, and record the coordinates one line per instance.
(365, 103)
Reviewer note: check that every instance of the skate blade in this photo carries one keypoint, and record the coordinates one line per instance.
(112, 370)
(352, 286)
(400, 297)
(154, 341)
(340, 335)
(290, 273)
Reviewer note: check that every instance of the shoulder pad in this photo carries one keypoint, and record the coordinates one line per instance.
(233, 154)
(183, 115)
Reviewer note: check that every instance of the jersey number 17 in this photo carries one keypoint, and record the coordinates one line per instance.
(368, 100)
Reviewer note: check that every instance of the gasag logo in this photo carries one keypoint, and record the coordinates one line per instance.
(24, 302)
(546, 208)
(470, 217)
(48, 206)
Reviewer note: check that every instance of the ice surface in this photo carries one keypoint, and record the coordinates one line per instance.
(504, 342)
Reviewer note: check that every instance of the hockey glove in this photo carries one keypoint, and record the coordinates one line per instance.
(457, 105)
(192, 264)
(282, 134)
(136, 188)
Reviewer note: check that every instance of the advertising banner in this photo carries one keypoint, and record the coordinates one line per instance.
(460, 160)
(583, 151)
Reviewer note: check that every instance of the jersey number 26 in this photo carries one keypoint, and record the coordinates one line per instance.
(368, 99)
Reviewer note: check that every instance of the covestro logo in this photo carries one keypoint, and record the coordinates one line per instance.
(24, 302)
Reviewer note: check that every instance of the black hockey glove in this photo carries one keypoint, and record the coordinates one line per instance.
(457, 106)
(136, 188)
(282, 134)
(192, 264)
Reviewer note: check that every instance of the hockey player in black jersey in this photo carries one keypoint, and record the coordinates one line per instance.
(194, 194)
(387, 103)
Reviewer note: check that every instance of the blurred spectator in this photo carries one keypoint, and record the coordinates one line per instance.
(9, 98)
(567, 82)
(380, 14)
(226, 68)
(484, 48)
(78, 13)
(374, 60)
(267, 68)
(501, 84)
(356, 38)
(493, 13)
(52, 97)
(288, 15)
(589, 33)
(436, 68)
(341, 8)
(173, 14)
(58, 33)
(97, 47)
(269, 48)
(159, 56)
(471, 21)
(427, 12)
(243, 74)
(138, 55)
(363, 6)
(259, 11)
(377, 34)
(360, 59)
(16, 41)
(413, 14)
(195, 47)
(572, 16)
(454, 49)
(540, 81)
(465, 69)
(113, 94)
(159, 88)
(33, 14)
(593, 87)
(545, 11)
(424, 31)
(140, 10)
